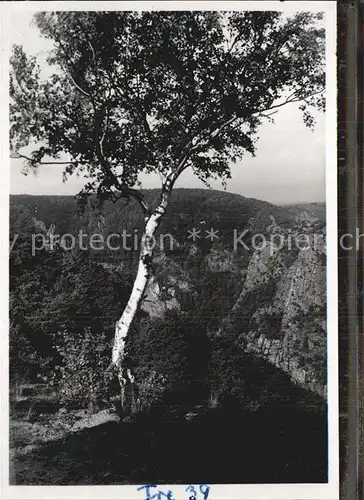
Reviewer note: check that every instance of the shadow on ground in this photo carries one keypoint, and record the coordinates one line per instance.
(281, 447)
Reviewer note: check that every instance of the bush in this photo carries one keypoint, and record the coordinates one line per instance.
(83, 377)
(171, 360)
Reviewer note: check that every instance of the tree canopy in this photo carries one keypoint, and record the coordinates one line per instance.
(161, 91)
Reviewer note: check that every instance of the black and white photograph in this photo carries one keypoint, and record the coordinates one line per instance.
(171, 289)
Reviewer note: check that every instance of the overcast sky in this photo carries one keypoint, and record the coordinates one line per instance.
(289, 166)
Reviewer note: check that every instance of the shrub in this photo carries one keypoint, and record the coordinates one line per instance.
(171, 360)
(83, 377)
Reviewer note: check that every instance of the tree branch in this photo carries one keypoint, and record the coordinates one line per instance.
(198, 142)
(126, 192)
(35, 162)
(234, 42)
(110, 177)
(80, 89)
(23, 92)
(70, 63)
(270, 114)
(135, 108)
(101, 141)
(93, 52)
(291, 98)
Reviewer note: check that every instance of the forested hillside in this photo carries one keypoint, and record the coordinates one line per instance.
(225, 329)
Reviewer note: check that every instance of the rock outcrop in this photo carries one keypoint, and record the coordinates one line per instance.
(280, 312)
(287, 321)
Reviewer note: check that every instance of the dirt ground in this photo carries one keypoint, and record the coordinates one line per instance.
(73, 448)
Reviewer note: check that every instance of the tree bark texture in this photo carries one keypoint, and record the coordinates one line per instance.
(122, 329)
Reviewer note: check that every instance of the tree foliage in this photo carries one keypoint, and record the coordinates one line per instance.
(55, 292)
(82, 375)
(171, 355)
(139, 92)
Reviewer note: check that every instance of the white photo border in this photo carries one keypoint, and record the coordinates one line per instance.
(327, 491)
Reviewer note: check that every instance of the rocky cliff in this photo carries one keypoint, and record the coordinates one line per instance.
(279, 314)
(287, 322)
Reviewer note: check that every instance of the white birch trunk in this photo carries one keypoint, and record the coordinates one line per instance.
(122, 329)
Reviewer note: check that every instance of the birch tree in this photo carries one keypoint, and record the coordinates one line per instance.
(146, 92)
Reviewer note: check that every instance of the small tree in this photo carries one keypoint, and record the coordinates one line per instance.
(161, 92)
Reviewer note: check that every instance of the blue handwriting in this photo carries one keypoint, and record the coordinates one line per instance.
(194, 492)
